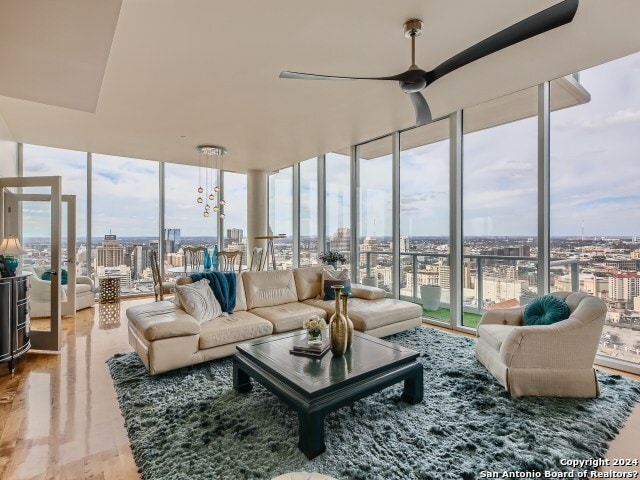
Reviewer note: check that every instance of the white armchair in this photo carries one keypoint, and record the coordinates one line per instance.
(551, 360)
(41, 293)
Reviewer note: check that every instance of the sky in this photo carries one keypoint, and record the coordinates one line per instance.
(595, 166)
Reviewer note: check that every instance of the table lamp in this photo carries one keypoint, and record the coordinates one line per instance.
(10, 247)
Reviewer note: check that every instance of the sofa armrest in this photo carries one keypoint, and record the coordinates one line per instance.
(82, 279)
(549, 347)
(503, 316)
(40, 290)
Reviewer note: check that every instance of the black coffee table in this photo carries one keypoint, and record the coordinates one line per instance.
(316, 387)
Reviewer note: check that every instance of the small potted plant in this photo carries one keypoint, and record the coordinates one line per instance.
(332, 258)
(314, 326)
(430, 295)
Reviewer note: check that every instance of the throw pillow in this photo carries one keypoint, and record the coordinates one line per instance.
(64, 276)
(545, 311)
(331, 278)
(198, 300)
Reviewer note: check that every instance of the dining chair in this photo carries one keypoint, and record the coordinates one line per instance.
(193, 258)
(256, 259)
(227, 261)
(159, 287)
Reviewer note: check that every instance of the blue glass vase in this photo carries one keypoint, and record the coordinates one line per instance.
(214, 260)
(207, 259)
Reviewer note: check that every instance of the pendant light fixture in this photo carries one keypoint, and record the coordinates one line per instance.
(213, 156)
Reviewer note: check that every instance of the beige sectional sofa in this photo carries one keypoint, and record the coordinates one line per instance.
(166, 337)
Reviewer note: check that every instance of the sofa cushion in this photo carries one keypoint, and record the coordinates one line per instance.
(288, 316)
(198, 300)
(369, 314)
(494, 335)
(241, 298)
(366, 292)
(82, 288)
(237, 327)
(308, 282)
(158, 320)
(545, 310)
(266, 289)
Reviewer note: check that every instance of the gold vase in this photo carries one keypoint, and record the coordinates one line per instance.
(338, 327)
(344, 297)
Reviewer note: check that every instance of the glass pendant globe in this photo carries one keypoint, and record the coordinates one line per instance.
(222, 202)
(207, 207)
(200, 190)
(216, 189)
(211, 196)
(215, 209)
(222, 215)
(200, 200)
(206, 214)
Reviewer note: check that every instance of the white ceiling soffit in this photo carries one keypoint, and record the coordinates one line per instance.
(56, 52)
(206, 71)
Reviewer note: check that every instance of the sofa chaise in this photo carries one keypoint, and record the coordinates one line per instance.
(166, 337)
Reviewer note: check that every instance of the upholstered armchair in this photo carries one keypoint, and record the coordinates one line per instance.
(551, 360)
(41, 293)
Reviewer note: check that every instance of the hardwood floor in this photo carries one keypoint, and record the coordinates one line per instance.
(59, 416)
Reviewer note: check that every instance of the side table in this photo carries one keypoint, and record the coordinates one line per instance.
(109, 289)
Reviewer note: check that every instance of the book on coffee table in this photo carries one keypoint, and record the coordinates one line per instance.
(313, 351)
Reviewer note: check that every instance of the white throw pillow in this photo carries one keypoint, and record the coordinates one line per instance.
(198, 300)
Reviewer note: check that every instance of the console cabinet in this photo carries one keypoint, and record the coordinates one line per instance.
(14, 318)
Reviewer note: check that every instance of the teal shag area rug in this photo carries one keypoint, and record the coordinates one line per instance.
(191, 424)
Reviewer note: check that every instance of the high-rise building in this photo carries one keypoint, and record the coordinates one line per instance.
(369, 244)
(341, 241)
(140, 260)
(172, 241)
(234, 235)
(110, 253)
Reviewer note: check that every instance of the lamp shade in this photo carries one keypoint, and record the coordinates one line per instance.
(10, 246)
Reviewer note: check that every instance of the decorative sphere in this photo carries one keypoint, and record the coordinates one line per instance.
(215, 209)
(206, 214)
(222, 202)
(222, 215)
(216, 189)
(200, 190)
(199, 199)
(207, 207)
(211, 196)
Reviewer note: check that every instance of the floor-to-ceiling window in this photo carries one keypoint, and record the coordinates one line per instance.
(235, 214)
(281, 216)
(499, 208)
(71, 165)
(424, 217)
(125, 194)
(595, 200)
(338, 206)
(184, 220)
(309, 212)
(376, 213)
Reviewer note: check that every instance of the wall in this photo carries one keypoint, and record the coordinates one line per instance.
(8, 152)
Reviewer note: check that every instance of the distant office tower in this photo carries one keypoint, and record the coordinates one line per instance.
(110, 253)
(154, 245)
(370, 244)
(624, 286)
(122, 272)
(140, 260)
(341, 241)
(172, 240)
(404, 244)
(234, 235)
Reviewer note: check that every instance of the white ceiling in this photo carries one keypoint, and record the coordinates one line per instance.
(180, 74)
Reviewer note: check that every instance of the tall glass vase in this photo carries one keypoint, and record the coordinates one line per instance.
(338, 328)
(344, 297)
(207, 259)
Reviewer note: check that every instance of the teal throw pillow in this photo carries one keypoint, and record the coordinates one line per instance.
(46, 275)
(545, 311)
(330, 293)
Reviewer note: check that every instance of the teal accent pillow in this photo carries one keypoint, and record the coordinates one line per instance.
(545, 311)
(46, 275)
(330, 293)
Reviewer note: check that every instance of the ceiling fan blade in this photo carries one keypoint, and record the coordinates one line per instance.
(312, 76)
(543, 21)
(423, 113)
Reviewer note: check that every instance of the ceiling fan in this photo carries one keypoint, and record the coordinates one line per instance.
(413, 80)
